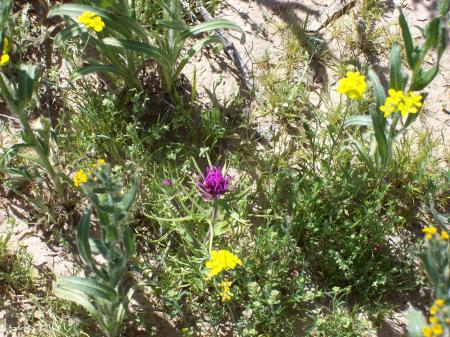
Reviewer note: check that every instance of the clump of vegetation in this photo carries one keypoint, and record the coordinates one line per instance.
(195, 216)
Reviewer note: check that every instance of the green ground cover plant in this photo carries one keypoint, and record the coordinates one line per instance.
(206, 223)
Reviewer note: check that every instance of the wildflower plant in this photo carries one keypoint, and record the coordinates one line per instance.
(103, 294)
(126, 45)
(436, 261)
(18, 92)
(391, 116)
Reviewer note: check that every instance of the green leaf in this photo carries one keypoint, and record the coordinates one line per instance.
(129, 242)
(444, 7)
(380, 136)
(416, 321)
(423, 78)
(82, 240)
(194, 49)
(96, 68)
(411, 55)
(363, 154)
(442, 42)
(130, 196)
(139, 47)
(113, 20)
(8, 93)
(76, 297)
(380, 96)
(396, 78)
(432, 271)
(88, 287)
(72, 31)
(432, 34)
(27, 78)
(5, 9)
(358, 120)
(98, 247)
(84, 244)
(124, 304)
(211, 26)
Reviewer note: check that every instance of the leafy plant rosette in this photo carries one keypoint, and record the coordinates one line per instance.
(126, 45)
(391, 116)
(17, 87)
(107, 256)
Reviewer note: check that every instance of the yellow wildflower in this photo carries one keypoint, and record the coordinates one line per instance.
(429, 230)
(80, 178)
(447, 320)
(221, 260)
(353, 85)
(427, 332)
(397, 101)
(437, 329)
(99, 163)
(225, 294)
(91, 21)
(433, 310)
(439, 302)
(4, 57)
(444, 235)
(433, 320)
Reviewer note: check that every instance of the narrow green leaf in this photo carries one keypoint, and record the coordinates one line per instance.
(96, 68)
(358, 120)
(380, 136)
(82, 240)
(411, 55)
(363, 154)
(380, 96)
(129, 242)
(130, 196)
(432, 34)
(139, 47)
(443, 7)
(5, 9)
(211, 26)
(124, 304)
(431, 269)
(88, 287)
(194, 49)
(76, 297)
(98, 247)
(72, 31)
(113, 21)
(8, 94)
(423, 78)
(442, 42)
(27, 78)
(396, 78)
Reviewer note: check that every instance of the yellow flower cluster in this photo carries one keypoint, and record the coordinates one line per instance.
(92, 21)
(353, 85)
(432, 232)
(221, 260)
(225, 294)
(81, 177)
(435, 328)
(4, 57)
(398, 101)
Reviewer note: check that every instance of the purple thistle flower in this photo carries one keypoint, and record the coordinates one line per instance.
(167, 182)
(214, 184)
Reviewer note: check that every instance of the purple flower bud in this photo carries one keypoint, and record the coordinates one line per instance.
(167, 182)
(214, 184)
